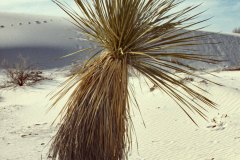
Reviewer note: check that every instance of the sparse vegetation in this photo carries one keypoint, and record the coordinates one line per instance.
(236, 30)
(187, 79)
(21, 74)
(203, 82)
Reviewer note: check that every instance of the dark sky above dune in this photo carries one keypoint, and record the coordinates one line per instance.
(225, 13)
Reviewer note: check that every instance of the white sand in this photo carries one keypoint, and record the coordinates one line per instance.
(169, 134)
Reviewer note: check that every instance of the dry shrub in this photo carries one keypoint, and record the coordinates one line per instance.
(236, 30)
(187, 79)
(21, 74)
(203, 82)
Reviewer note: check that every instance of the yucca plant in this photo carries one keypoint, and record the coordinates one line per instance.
(138, 35)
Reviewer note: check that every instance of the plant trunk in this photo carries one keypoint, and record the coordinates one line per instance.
(95, 126)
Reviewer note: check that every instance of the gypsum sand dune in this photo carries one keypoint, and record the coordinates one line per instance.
(58, 37)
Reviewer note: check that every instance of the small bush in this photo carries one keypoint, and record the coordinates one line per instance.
(236, 30)
(203, 81)
(187, 79)
(21, 74)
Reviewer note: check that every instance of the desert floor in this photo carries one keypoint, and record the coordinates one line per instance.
(168, 134)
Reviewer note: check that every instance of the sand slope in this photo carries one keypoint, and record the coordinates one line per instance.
(43, 39)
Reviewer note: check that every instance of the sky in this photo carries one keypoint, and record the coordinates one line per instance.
(225, 13)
